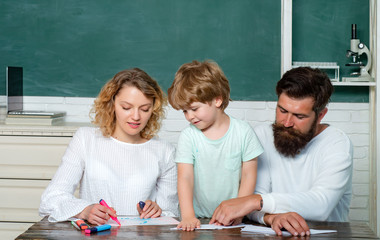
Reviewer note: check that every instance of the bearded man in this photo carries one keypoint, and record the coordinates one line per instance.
(305, 171)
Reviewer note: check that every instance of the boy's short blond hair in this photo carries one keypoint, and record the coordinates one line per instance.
(198, 82)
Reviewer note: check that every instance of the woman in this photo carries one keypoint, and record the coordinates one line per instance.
(120, 160)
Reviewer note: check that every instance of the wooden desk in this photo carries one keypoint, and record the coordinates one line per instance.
(64, 230)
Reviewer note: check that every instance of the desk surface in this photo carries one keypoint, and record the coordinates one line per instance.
(64, 230)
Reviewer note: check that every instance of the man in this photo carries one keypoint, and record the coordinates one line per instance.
(305, 171)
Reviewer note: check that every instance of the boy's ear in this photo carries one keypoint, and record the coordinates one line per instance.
(218, 101)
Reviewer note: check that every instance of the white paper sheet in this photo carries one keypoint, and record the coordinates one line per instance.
(136, 220)
(317, 231)
(213, 227)
(270, 231)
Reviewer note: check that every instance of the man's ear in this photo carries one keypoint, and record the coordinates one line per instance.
(322, 114)
(218, 101)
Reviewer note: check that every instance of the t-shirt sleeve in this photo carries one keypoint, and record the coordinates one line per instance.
(184, 153)
(252, 146)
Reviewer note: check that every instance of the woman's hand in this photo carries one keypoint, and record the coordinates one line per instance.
(150, 210)
(96, 214)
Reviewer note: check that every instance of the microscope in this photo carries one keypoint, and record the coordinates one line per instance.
(356, 51)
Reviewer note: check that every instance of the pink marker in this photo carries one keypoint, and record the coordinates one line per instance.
(102, 202)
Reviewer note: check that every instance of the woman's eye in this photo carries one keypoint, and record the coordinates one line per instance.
(145, 110)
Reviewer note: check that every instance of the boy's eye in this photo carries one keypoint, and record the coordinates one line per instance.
(194, 109)
(184, 111)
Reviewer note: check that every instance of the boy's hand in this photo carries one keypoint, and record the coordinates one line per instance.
(189, 224)
(150, 210)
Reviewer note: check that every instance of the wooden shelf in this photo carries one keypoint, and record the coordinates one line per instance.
(358, 84)
(65, 129)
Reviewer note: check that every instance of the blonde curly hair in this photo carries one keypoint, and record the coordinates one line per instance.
(103, 109)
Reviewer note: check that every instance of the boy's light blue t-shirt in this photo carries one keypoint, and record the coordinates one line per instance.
(217, 163)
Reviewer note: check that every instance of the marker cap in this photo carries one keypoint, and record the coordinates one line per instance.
(142, 205)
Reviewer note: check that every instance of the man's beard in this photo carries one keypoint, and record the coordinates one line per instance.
(288, 141)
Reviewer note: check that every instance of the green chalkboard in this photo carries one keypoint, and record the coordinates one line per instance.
(71, 48)
(322, 33)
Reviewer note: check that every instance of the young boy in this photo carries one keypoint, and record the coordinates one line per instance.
(217, 154)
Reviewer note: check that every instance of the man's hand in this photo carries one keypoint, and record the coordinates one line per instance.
(291, 221)
(232, 209)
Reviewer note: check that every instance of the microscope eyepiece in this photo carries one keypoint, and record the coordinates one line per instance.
(353, 31)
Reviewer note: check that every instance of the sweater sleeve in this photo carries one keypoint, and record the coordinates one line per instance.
(167, 186)
(58, 200)
(333, 178)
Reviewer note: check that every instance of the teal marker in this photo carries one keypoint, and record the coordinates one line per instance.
(98, 228)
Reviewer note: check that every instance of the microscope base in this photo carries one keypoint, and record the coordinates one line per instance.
(357, 79)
